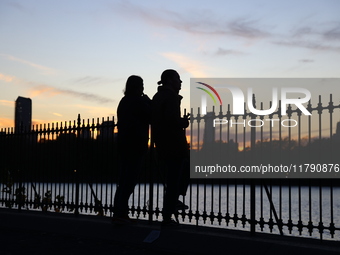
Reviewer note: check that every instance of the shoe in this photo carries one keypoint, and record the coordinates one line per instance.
(170, 223)
(122, 220)
(181, 206)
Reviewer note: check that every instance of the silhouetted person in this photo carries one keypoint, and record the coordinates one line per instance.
(134, 115)
(168, 129)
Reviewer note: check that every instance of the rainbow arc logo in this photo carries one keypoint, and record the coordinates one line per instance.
(208, 89)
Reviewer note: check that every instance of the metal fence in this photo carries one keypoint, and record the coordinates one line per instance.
(287, 206)
(72, 167)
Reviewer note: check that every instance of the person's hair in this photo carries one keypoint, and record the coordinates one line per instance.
(133, 85)
(167, 75)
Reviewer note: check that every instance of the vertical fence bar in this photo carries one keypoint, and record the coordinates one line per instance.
(197, 213)
(261, 206)
(331, 225)
(235, 206)
(310, 222)
(331, 110)
(290, 221)
(252, 183)
(320, 226)
(77, 158)
(227, 204)
(190, 214)
(244, 217)
(300, 226)
(151, 178)
(280, 131)
(320, 128)
(204, 215)
(269, 196)
(211, 216)
(280, 204)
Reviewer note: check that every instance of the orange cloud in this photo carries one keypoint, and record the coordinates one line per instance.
(195, 68)
(6, 78)
(46, 90)
(7, 103)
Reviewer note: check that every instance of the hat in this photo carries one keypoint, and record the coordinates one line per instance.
(167, 74)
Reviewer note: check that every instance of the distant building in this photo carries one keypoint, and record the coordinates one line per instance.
(336, 136)
(23, 114)
(209, 129)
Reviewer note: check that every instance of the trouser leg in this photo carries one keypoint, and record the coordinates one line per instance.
(185, 177)
(172, 191)
(129, 172)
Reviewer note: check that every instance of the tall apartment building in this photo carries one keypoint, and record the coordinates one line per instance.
(23, 114)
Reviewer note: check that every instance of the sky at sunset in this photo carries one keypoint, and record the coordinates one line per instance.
(73, 57)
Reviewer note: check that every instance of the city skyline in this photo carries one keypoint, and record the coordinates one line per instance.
(73, 58)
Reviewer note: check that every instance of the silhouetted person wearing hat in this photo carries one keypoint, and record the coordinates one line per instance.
(168, 129)
(134, 116)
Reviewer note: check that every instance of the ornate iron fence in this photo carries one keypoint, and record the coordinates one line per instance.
(72, 167)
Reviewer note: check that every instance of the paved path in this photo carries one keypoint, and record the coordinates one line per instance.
(30, 232)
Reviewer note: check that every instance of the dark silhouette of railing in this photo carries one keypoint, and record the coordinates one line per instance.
(315, 149)
(72, 167)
